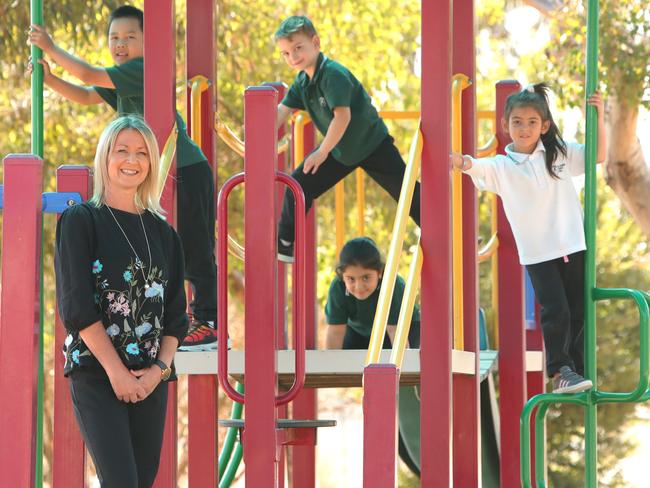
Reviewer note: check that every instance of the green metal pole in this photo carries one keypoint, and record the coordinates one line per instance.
(37, 84)
(36, 8)
(231, 436)
(591, 438)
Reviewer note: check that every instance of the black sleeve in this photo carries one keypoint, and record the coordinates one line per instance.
(175, 321)
(73, 265)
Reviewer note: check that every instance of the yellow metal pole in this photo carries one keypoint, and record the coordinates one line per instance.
(339, 205)
(460, 82)
(395, 249)
(361, 203)
(495, 272)
(298, 138)
(406, 310)
(199, 85)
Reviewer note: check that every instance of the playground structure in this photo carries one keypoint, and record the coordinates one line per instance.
(448, 366)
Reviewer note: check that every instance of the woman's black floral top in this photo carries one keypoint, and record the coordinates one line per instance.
(99, 278)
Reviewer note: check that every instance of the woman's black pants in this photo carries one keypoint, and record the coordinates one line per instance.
(123, 439)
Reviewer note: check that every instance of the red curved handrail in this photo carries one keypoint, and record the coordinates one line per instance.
(299, 277)
(222, 287)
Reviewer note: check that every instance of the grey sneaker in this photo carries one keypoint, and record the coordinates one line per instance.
(569, 381)
(285, 252)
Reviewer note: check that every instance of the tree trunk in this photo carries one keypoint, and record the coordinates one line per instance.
(626, 170)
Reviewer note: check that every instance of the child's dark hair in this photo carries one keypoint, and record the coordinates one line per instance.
(536, 97)
(362, 252)
(127, 12)
(295, 24)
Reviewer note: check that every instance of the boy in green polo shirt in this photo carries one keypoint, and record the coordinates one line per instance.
(122, 87)
(354, 134)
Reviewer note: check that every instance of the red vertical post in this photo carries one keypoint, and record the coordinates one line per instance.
(260, 165)
(282, 340)
(380, 386)
(303, 469)
(68, 466)
(466, 389)
(202, 467)
(159, 112)
(19, 307)
(435, 355)
(512, 343)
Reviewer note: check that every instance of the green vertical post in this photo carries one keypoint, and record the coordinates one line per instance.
(37, 84)
(36, 8)
(591, 440)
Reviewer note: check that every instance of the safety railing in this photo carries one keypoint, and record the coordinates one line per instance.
(299, 305)
(459, 83)
(593, 397)
(394, 253)
(167, 157)
(234, 142)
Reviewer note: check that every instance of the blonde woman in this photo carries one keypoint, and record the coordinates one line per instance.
(119, 274)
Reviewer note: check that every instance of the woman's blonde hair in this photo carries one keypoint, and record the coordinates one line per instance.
(148, 193)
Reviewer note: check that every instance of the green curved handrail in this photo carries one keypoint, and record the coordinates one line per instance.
(229, 462)
(587, 399)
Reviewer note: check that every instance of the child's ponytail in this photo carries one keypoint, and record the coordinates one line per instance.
(536, 96)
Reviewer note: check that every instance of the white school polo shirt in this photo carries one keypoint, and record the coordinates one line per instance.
(545, 213)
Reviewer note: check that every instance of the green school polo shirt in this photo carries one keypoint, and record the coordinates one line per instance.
(333, 85)
(128, 98)
(360, 314)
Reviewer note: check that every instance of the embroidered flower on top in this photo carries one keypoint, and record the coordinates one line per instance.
(113, 330)
(128, 276)
(142, 329)
(156, 289)
(120, 305)
(97, 266)
(132, 349)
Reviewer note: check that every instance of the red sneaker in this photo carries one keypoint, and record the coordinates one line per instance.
(202, 336)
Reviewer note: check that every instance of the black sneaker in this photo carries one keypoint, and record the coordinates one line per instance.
(202, 336)
(568, 381)
(285, 252)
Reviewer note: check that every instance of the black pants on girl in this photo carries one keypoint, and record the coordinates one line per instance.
(123, 439)
(559, 289)
(196, 230)
(385, 165)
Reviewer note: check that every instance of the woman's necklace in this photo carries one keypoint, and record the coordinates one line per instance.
(138, 262)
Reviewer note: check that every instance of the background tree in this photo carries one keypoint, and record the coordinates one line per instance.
(624, 70)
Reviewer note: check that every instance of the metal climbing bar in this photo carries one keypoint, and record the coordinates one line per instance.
(395, 249)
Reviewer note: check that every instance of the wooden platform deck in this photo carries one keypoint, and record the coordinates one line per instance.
(342, 368)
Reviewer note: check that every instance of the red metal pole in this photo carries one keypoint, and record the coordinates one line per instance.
(467, 400)
(20, 311)
(380, 386)
(512, 343)
(68, 466)
(281, 311)
(200, 40)
(260, 274)
(159, 112)
(435, 356)
(303, 469)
